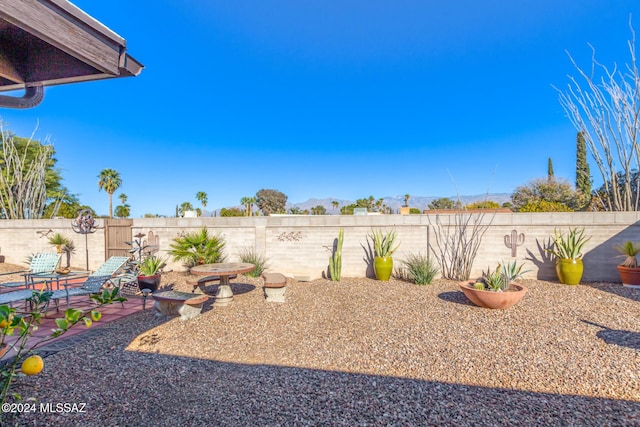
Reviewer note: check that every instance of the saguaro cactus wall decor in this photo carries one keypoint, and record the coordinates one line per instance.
(513, 241)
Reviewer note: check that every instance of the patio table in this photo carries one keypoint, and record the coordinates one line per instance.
(50, 278)
(224, 295)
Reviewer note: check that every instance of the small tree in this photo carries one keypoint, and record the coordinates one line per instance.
(443, 203)
(485, 204)
(231, 212)
(583, 173)
(271, 201)
(122, 211)
(541, 189)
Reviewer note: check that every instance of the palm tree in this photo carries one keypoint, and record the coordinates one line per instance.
(123, 198)
(201, 196)
(186, 206)
(245, 202)
(406, 200)
(248, 201)
(197, 248)
(109, 181)
(335, 204)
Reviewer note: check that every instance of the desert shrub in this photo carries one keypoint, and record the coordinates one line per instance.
(539, 190)
(197, 248)
(420, 269)
(251, 256)
(484, 204)
(544, 206)
(414, 211)
(232, 212)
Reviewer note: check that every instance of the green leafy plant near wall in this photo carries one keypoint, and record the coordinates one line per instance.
(260, 261)
(197, 248)
(419, 268)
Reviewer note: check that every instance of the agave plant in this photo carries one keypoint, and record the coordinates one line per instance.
(501, 278)
(151, 265)
(383, 242)
(629, 250)
(568, 246)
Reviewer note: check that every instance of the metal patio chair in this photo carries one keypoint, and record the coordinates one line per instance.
(94, 283)
(44, 262)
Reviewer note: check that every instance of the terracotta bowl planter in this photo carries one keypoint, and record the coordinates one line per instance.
(493, 300)
(630, 276)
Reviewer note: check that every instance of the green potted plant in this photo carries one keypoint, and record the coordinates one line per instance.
(383, 248)
(496, 289)
(150, 272)
(628, 268)
(65, 246)
(567, 248)
(58, 240)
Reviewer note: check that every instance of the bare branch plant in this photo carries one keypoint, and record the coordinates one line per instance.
(606, 108)
(22, 178)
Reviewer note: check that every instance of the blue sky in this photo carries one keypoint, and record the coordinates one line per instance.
(320, 98)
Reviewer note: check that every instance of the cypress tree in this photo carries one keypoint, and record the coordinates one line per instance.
(550, 169)
(583, 174)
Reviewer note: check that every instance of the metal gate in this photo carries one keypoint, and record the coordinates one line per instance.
(116, 233)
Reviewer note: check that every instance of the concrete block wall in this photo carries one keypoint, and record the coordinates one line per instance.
(299, 246)
(22, 238)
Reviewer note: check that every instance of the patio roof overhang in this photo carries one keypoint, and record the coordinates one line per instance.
(52, 42)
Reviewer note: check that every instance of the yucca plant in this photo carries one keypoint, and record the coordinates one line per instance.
(568, 246)
(383, 242)
(420, 269)
(252, 257)
(197, 248)
(629, 250)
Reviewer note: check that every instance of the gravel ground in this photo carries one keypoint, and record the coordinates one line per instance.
(358, 352)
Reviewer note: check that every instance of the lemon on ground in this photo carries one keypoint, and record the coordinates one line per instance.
(32, 365)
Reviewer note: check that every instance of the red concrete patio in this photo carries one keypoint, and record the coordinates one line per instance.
(110, 313)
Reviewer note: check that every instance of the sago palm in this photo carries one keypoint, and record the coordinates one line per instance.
(197, 248)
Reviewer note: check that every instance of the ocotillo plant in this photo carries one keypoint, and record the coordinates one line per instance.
(335, 261)
(513, 241)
